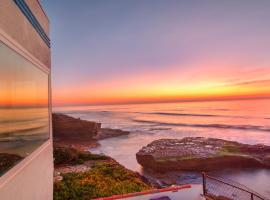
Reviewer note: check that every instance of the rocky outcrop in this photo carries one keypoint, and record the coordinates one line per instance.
(69, 128)
(80, 134)
(108, 133)
(202, 154)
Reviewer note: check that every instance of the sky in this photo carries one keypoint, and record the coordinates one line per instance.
(21, 83)
(106, 52)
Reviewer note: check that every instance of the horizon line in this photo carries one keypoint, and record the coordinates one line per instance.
(164, 101)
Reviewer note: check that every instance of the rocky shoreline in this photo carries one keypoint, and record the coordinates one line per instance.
(80, 134)
(201, 154)
(79, 174)
(105, 133)
(83, 175)
(165, 162)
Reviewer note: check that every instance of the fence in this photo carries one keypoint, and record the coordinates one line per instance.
(220, 189)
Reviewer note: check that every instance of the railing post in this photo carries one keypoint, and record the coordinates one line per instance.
(204, 182)
(252, 197)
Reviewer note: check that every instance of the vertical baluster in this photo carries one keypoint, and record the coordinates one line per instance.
(204, 183)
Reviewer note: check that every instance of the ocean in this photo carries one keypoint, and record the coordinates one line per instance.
(23, 129)
(245, 121)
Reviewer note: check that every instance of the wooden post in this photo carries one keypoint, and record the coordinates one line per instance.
(252, 197)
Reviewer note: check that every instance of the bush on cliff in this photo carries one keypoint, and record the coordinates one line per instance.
(104, 179)
(71, 156)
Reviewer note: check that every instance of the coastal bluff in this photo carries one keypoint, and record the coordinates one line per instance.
(81, 134)
(71, 129)
(80, 174)
(202, 154)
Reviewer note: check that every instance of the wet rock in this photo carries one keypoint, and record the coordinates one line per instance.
(71, 129)
(202, 154)
(108, 133)
(80, 134)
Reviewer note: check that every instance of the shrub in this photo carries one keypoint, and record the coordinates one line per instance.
(104, 179)
(68, 155)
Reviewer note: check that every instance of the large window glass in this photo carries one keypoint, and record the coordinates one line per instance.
(24, 113)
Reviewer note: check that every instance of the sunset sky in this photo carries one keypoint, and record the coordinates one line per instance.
(150, 51)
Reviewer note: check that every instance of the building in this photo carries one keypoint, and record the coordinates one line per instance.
(26, 154)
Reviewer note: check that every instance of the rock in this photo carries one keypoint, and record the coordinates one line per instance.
(72, 169)
(71, 129)
(57, 178)
(81, 134)
(108, 133)
(202, 154)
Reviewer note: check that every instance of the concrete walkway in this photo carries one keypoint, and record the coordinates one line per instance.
(193, 193)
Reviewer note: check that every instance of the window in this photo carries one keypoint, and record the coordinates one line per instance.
(24, 110)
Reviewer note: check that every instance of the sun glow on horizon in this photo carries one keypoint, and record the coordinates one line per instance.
(162, 87)
(140, 51)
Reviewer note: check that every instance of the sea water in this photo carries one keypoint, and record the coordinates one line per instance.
(245, 121)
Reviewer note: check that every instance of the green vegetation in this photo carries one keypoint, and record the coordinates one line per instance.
(229, 149)
(187, 157)
(71, 156)
(104, 179)
(174, 159)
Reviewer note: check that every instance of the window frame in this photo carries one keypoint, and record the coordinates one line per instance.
(15, 46)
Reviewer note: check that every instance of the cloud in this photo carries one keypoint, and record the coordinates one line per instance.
(264, 82)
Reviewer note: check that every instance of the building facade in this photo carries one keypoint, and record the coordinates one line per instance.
(26, 153)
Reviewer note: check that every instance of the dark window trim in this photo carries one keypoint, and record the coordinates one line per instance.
(33, 20)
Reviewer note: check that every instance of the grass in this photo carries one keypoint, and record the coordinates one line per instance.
(104, 179)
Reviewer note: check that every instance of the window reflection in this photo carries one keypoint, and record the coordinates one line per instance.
(24, 114)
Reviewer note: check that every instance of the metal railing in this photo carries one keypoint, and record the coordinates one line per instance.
(221, 189)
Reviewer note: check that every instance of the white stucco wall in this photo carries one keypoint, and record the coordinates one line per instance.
(32, 178)
(16, 25)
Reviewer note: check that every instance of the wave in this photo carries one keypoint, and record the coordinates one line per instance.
(85, 112)
(181, 114)
(192, 115)
(219, 109)
(159, 129)
(221, 126)
(110, 113)
(23, 131)
(37, 119)
(23, 139)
